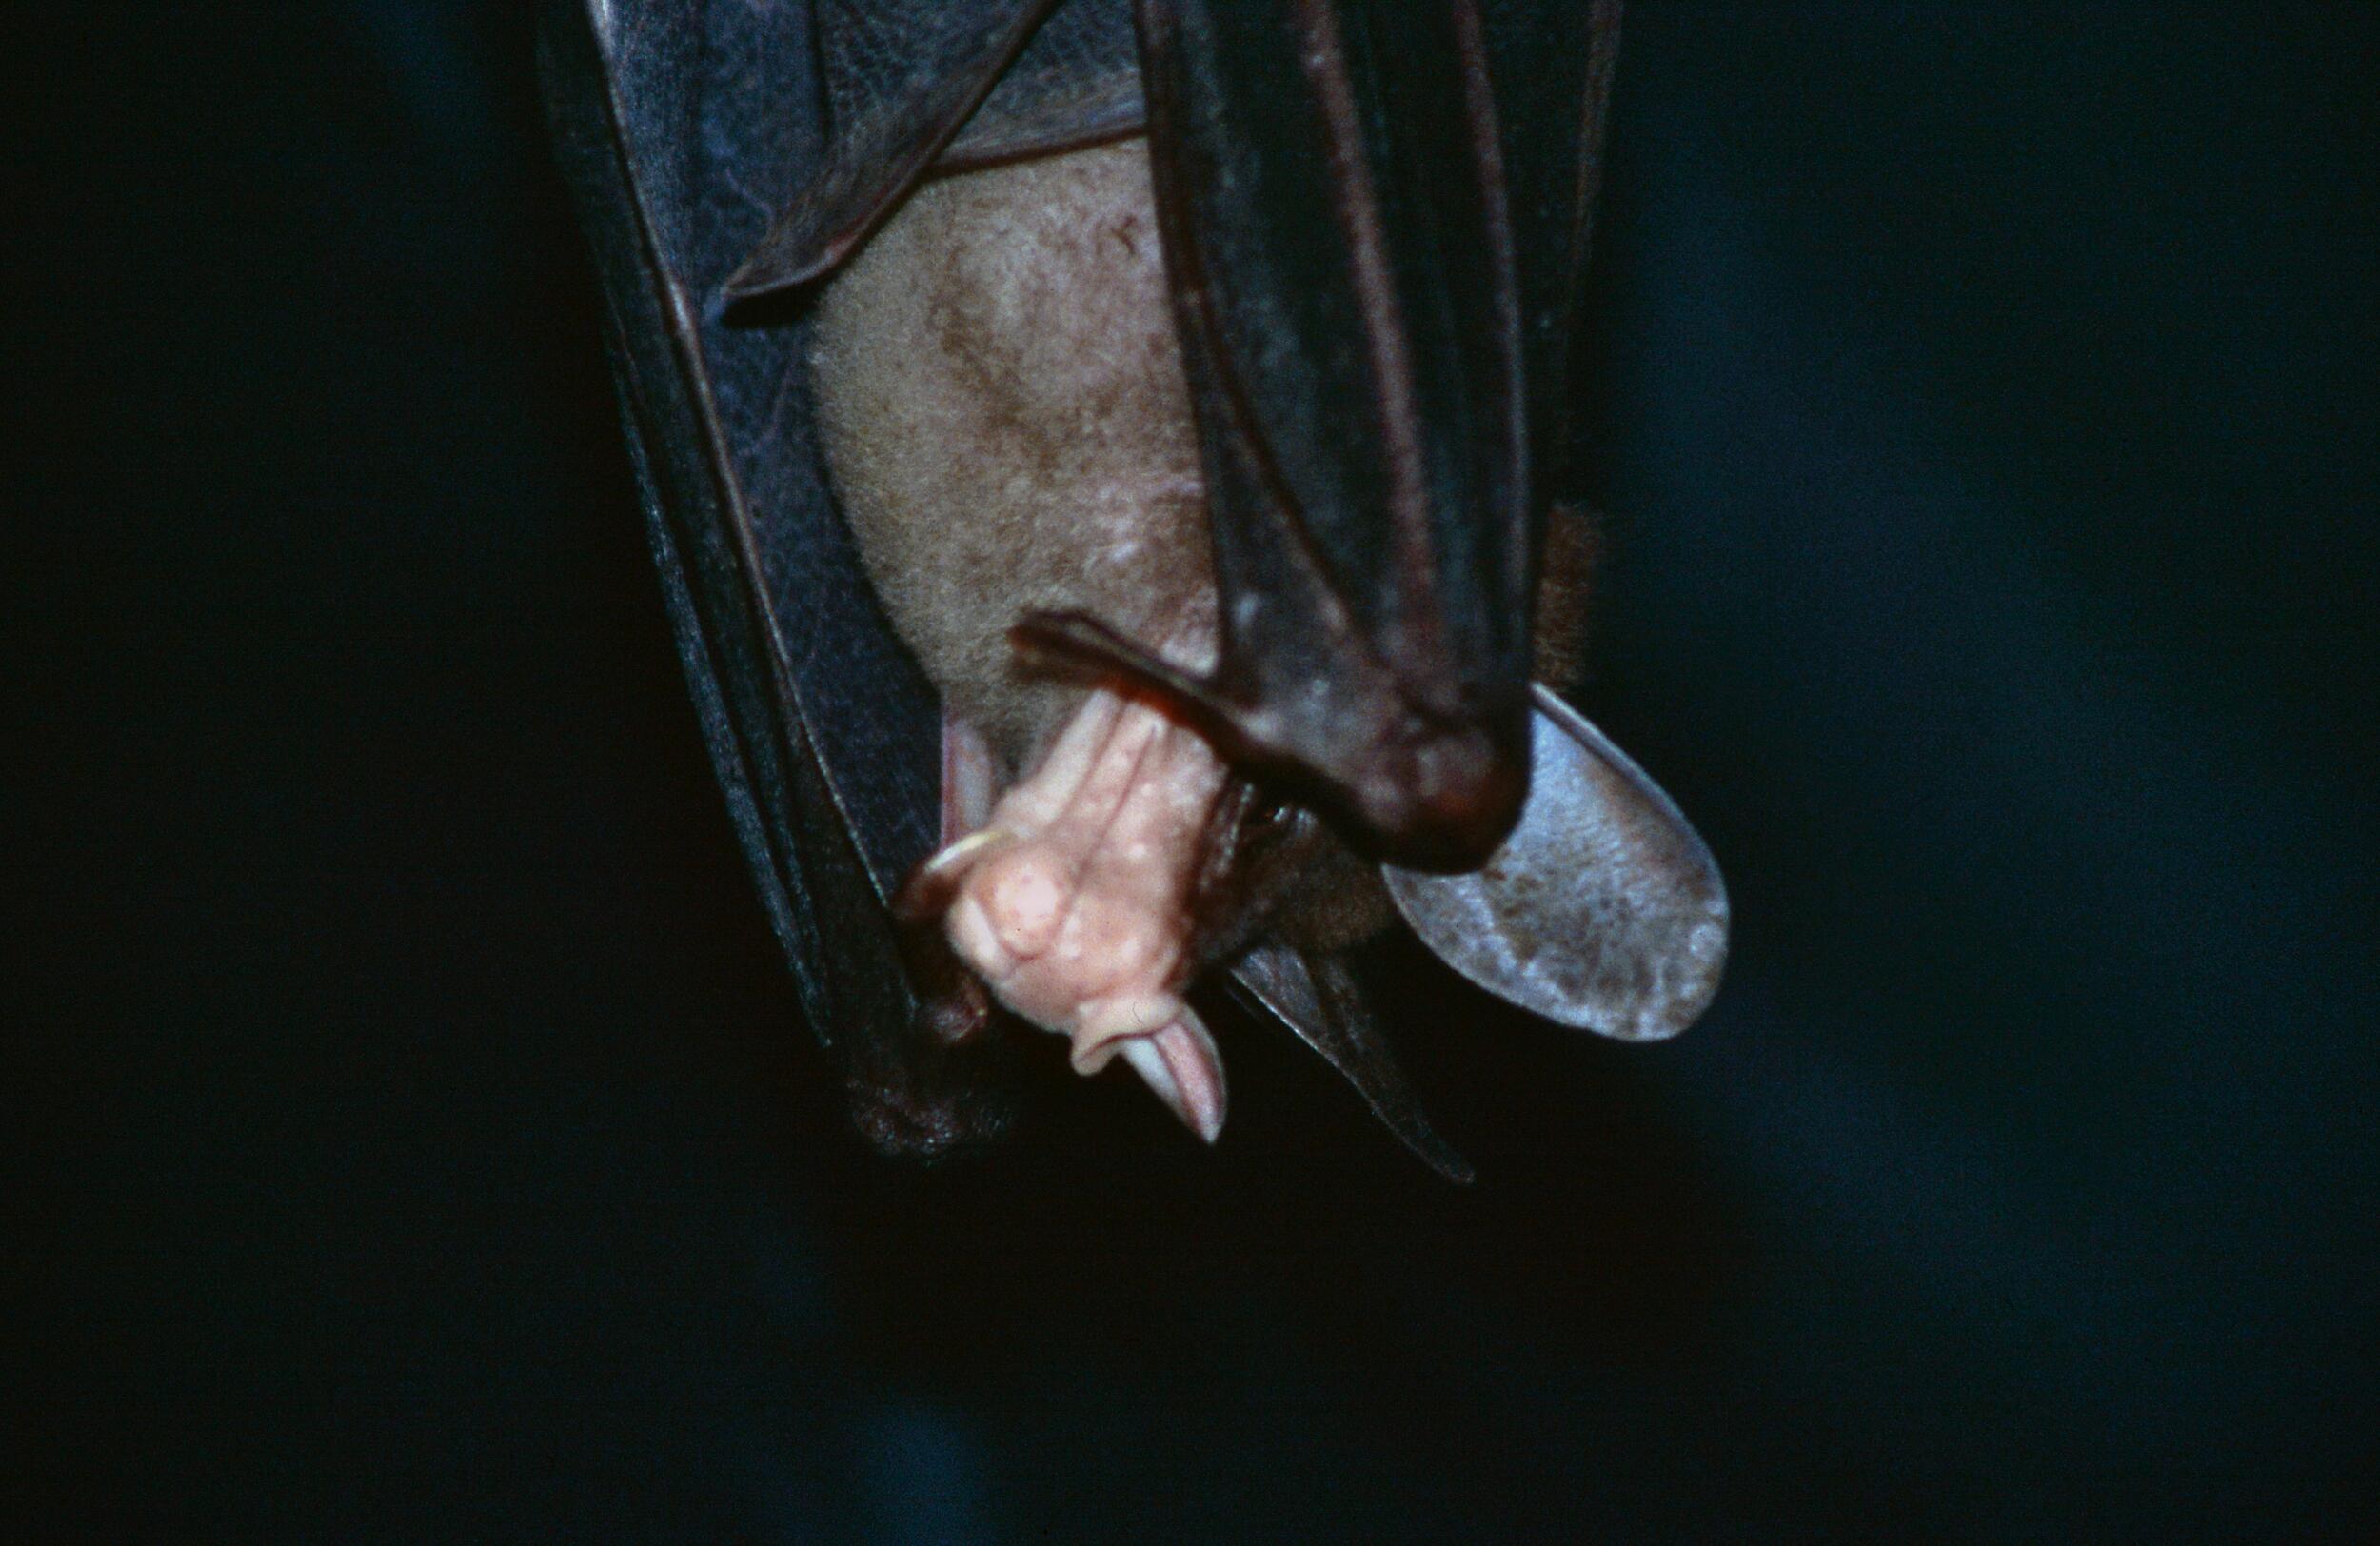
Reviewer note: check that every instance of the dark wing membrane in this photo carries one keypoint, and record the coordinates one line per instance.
(1317, 998)
(918, 84)
(902, 75)
(1076, 82)
(676, 122)
(1329, 185)
(1603, 910)
(1551, 61)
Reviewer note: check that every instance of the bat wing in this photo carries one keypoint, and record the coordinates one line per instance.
(943, 84)
(1331, 198)
(1377, 268)
(1604, 909)
(1317, 1000)
(1552, 63)
(682, 125)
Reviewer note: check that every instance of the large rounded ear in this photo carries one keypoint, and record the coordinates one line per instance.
(1602, 911)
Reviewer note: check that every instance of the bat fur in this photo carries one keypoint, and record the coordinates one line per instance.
(1006, 425)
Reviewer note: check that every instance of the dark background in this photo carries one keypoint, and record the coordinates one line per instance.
(408, 1129)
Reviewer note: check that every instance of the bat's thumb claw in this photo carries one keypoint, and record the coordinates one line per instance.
(934, 885)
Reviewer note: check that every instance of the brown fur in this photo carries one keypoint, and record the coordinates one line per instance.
(1008, 428)
(1570, 546)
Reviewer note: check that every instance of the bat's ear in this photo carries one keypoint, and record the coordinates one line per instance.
(1603, 910)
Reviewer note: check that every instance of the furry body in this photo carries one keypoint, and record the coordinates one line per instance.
(1003, 409)
(1005, 419)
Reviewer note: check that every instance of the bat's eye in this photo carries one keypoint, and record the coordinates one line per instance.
(1269, 819)
(1268, 826)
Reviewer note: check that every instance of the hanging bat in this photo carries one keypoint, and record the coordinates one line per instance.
(1181, 380)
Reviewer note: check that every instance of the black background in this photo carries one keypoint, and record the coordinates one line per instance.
(409, 1132)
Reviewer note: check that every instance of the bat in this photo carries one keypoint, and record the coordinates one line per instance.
(1101, 457)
